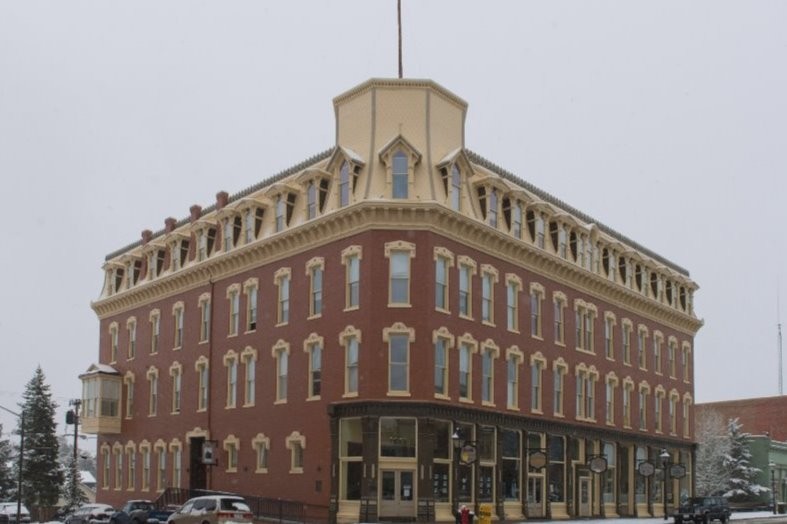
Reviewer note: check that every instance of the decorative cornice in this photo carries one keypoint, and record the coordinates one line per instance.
(371, 215)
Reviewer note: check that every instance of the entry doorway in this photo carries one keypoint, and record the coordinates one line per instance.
(198, 472)
(584, 496)
(397, 493)
(535, 497)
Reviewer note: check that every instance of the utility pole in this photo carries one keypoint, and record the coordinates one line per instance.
(399, 20)
(72, 417)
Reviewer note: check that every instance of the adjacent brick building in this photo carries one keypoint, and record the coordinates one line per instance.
(393, 327)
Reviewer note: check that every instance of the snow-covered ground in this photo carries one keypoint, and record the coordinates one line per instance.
(739, 516)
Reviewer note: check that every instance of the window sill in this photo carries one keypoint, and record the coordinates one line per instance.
(233, 406)
(442, 310)
(488, 323)
(536, 412)
(280, 324)
(296, 471)
(512, 408)
(280, 401)
(466, 400)
(610, 424)
(313, 399)
(467, 317)
(515, 330)
(248, 405)
(312, 317)
(352, 308)
(350, 395)
(487, 403)
(261, 470)
(177, 348)
(398, 394)
(537, 337)
(440, 396)
(397, 305)
(174, 412)
(250, 331)
(560, 343)
(585, 351)
(229, 335)
(559, 415)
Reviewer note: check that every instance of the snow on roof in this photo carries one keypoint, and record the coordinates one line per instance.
(101, 368)
(87, 477)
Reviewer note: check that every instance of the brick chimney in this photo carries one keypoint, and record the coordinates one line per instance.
(221, 200)
(196, 212)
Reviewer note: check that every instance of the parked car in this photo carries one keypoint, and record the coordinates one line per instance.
(91, 514)
(8, 513)
(139, 512)
(703, 509)
(213, 509)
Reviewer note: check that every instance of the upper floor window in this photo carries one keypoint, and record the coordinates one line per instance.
(281, 352)
(467, 346)
(467, 268)
(535, 225)
(201, 366)
(113, 342)
(316, 196)
(249, 359)
(444, 260)
(282, 281)
(488, 280)
(537, 364)
(152, 375)
(452, 183)
(513, 286)
(489, 200)
(252, 222)
(642, 341)
(131, 325)
(625, 334)
(350, 338)
(204, 312)
(657, 343)
(512, 213)
(686, 362)
(284, 203)
(585, 317)
(513, 361)
(351, 258)
(536, 298)
(231, 229)
(612, 382)
(313, 348)
(559, 370)
(398, 338)
(250, 287)
(442, 342)
(296, 443)
(400, 175)
(176, 372)
(314, 270)
(205, 241)
(609, 335)
(177, 313)
(399, 254)
(231, 362)
(671, 367)
(559, 300)
(155, 330)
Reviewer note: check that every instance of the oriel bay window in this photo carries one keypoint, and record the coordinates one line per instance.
(101, 390)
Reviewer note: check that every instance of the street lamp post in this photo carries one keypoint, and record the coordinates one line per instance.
(665, 460)
(72, 417)
(21, 460)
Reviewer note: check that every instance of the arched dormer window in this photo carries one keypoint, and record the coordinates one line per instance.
(251, 212)
(513, 215)
(316, 183)
(489, 191)
(400, 159)
(283, 197)
(536, 224)
(231, 228)
(155, 262)
(345, 164)
(454, 169)
(206, 242)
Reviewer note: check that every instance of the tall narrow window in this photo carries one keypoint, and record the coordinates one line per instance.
(161, 470)
(516, 219)
(585, 317)
(493, 203)
(609, 335)
(177, 464)
(456, 188)
(113, 342)
(231, 362)
(643, 408)
(344, 184)
(467, 268)
(261, 445)
(609, 404)
(657, 343)
(233, 295)
(400, 175)
(128, 380)
(686, 415)
(537, 363)
(440, 366)
(204, 313)
(399, 254)
(131, 460)
(132, 337)
(466, 349)
(177, 312)
(686, 361)
(513, 360)
(351, 258)
(626, 340)
(673, 412)
(513, 286)
(488, 279)
(176, 372)
(559, 300)
(155, 330)
(281, 352)
(201, 367)
(249, 358)
(444, 260)
(398, 338)
(282, 280)
(153, 391)
(296, 443)
(281, 212)
(642, 337)
(250, 287)
(118, 452)
(671, 359)
(657, 410)
(311, 199)
(627, 389)
(314, 270)
(226, 234)
(559, 370)
(231, 446)
(350, 338)
(488, 355)
(145, 467)
(536, 297)
(313, 349)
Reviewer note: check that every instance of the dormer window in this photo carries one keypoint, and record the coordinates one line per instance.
(117, 283)
(488, 201)
(316, 183)
(535, 225)
(400, 176)
(512, 214)
(133, 268)
(559, 241)
(230, 232)
(205, 241)
(252, 222)
(179, 252)
(344, 184)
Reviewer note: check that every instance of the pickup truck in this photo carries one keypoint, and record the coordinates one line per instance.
(140, 512)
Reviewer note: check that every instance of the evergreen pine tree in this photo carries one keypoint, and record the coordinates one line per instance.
(72, 493)
(7, 482)
(42, 477)
(713, 448)
(741, 485)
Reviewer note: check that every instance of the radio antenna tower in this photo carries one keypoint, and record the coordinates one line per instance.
(399, 22)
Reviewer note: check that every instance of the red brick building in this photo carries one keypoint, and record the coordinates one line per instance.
(759, 416)
(394, 327)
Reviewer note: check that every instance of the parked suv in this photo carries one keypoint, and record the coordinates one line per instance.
(213, 509)
(703, 509)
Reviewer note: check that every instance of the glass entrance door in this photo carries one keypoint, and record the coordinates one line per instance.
(535, 497)
(397, 493)
(584, 497)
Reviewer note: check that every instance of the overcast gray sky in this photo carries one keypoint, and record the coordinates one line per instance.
(666, 120)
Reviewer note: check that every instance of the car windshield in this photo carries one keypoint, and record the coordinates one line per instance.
(234, 505)
(141, 505)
